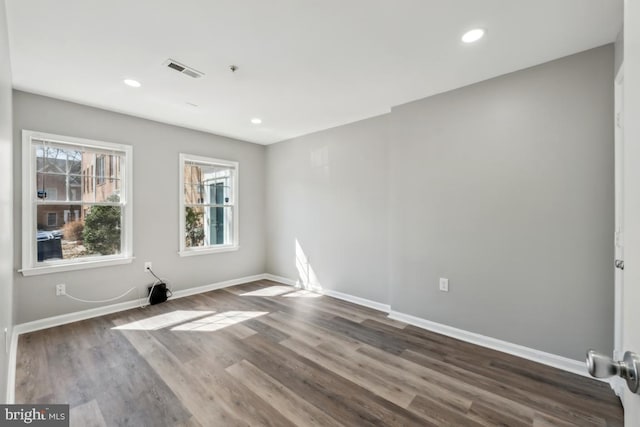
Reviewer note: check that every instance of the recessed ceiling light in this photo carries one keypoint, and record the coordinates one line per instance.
(473, 35)
(256, 121)
(132, 83)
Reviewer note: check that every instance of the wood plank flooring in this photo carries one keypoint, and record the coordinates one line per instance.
(261, 354)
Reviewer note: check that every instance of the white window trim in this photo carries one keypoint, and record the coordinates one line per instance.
(104, 261)
(184, 251)
(29, 223)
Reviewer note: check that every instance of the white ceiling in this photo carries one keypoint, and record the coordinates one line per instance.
(304, 65)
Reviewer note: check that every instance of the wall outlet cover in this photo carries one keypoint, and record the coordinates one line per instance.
(61, 289)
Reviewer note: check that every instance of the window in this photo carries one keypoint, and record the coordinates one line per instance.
(69, 222)
(208, 205)
(52, 219)
(100, 178)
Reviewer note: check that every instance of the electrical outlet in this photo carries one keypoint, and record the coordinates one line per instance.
(61, 289)
(444, 284)
(147, 266)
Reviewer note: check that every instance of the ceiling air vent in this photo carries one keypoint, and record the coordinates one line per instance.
(181, 68)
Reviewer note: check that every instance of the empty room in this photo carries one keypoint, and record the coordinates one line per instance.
(320, 213)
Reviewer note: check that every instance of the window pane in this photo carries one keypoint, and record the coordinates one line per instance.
(194, 194)
(102, 229)
(218, 230)
(73, 175)
(223, 192)
(101, 176)
(88, 187)
(191, 174)
(51, 187)
(112, 167)
(54, 187)
(212, 192)
(75, 188)
(107, 191)
(199, 174)
(218, 192)
(208, 226)
(76, 231)
(194, 227)
(74, 162)
(100, 171)
(39, 158)
(57, 160)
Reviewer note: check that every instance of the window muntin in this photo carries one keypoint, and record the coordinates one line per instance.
(208, 205)
(69, 219)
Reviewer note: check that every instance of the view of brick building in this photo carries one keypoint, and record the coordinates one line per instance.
(101, 178)
(69, 184)
(206, 191)
(58, 179)
(68, 176)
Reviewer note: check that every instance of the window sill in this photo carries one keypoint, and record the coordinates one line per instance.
(80, 265)
(207, 251)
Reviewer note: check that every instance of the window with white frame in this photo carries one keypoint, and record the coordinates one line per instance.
(208, 205)
(69, 222)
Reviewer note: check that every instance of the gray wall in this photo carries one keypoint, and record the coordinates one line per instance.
(505, 187)
(155, 202)
(6, 245)
(328, 191)
(619, 51)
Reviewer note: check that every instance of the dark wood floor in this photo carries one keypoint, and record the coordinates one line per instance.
(264, 354)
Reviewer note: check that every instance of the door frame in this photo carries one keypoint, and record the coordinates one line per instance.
(618, 384)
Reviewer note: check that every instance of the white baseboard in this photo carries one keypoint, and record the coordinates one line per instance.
(549, 359)
(63, 319)
(334, 294)
(214, 286)
(11, 373)
(280, 279)
(357, 300)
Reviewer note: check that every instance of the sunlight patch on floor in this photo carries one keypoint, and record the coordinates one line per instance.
(163, 320)
(219, 321)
